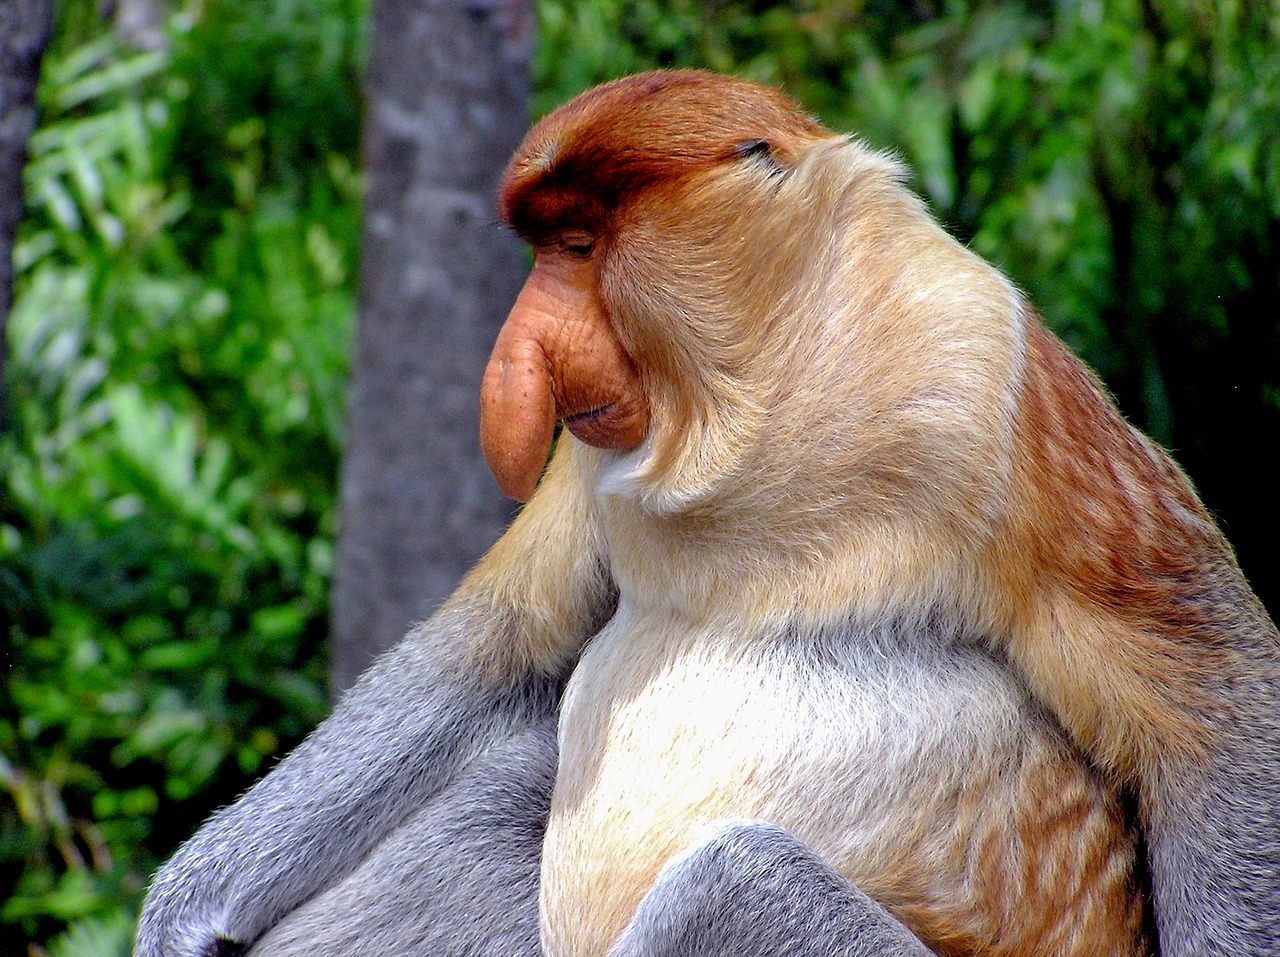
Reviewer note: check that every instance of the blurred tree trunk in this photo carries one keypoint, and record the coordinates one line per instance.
(24, 33)
(448, 102)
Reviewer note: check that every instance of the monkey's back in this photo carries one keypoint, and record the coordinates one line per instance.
(914, 764)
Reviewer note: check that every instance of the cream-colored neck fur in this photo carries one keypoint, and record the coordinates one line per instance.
(875, 481)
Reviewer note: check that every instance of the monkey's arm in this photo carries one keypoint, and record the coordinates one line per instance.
(754, 890)
(458, 877)
(487, 666)
(1190, 717)
(1213, 825)
(1144, 638)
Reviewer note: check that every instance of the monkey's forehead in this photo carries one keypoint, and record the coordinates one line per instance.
(616, 139)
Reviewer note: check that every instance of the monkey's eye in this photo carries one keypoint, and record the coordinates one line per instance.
(753, 148)
(576, 242)
(759, 152)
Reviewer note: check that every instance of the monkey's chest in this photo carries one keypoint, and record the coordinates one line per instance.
(662, 736)
(917, 774)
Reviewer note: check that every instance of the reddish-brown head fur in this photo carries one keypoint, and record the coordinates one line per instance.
(581, 163)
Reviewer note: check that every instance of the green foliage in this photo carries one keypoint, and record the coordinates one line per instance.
(179, 351)
(111, 936)
(184, 300)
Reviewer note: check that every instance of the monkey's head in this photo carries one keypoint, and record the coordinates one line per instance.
(713, 269)
(582, 189)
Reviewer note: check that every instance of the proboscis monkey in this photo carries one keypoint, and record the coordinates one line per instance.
(870, 626)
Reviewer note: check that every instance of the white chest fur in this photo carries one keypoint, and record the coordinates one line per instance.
(857, 741)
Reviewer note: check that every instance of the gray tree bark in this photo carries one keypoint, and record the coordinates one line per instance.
(24, 33)
(448, 101)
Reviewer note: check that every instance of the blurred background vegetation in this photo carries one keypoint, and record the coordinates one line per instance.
(184, 309)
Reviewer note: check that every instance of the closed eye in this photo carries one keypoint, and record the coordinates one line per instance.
(759, 152)
(577, 243)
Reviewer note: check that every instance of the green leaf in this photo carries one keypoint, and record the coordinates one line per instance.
(106, 936)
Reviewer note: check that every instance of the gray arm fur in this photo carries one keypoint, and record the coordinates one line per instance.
(396, 739)
(754, 890)
(1214, 853)
(458, 879)
(1213, 830)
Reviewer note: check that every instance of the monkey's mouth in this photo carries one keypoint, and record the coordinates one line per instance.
(609, 426)
(590, 416)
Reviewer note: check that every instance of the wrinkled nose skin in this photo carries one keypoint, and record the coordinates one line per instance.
(556, 358)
